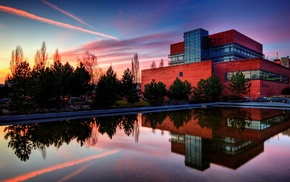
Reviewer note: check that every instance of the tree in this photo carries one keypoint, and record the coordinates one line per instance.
(155, 92)
(44, 90)
(161, 64)
(179, 90)
(41, 57)
(16, 58)
(90, 63)
(239, 85)
(153, 64)
(135, 68)
(129, 87)
(107, 90)
(80, 81)
(56, 56)
(207, 90)
(20, 88)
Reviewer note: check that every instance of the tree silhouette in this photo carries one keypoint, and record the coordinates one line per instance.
(155, 92)
(90, 62)
(135, 68)
(56, 56)
(161, 64)
(17, 57)
(20, 88)
(41, 57)
(153, 64)
(129, 88)
(107, 90)
(179, 90)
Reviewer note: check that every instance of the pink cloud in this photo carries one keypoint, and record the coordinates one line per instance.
(49, 21)
(119, 53)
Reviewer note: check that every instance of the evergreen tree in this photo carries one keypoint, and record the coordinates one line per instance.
(155, 92)
(80, 81)
(107, 90)
(21, 88)
(239, 85)
(179, 90)
(207, 90)
(129, 87)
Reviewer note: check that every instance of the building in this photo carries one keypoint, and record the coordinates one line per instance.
(198, 46)
(200, 55)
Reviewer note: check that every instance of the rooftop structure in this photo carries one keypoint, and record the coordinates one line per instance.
(229, 45)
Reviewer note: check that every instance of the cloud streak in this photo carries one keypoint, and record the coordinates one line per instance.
(67, 13)
(60, 166)
(52, 22)
(149, 47)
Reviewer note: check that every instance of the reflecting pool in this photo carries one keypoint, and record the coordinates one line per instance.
(213, 144)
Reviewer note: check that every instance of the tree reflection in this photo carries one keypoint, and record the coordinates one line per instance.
(20, 141)
(24, 138)
(239, 118)
(27, 137)
(155, 118)
(210, 118)
(128, 124)
(109, 125)
(180, 117)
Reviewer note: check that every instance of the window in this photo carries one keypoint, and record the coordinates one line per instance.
(261, 75)
(180, 74)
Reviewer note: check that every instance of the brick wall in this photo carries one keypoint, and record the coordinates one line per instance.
(192, 72)
(259, 87)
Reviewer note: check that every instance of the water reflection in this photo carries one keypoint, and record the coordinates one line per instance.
(224, 136)
(27, 137)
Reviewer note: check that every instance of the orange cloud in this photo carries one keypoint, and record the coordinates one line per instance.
(60, 166)
(67, 13)
(49, 21)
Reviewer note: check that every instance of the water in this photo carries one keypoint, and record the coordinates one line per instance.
(218, 144)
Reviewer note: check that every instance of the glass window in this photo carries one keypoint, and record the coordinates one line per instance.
(261, 75)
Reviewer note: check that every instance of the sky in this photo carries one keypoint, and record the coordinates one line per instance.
(115, 30)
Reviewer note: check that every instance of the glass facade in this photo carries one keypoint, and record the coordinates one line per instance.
(195, 44)
(231, 52)
(176, 59)
(261, 75)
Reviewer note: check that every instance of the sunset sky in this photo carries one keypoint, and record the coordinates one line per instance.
(114, 30)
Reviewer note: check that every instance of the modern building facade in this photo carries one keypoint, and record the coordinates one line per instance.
(201, 55)
(198, 46)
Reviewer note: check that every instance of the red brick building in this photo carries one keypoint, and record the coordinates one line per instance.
(230, 51)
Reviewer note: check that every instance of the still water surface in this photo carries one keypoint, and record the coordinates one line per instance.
(219, 144)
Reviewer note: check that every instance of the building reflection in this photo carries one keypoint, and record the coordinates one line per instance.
(230, 137)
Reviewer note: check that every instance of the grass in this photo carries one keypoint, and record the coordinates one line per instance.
(124, 103)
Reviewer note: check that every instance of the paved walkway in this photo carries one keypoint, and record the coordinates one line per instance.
(46, 117)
